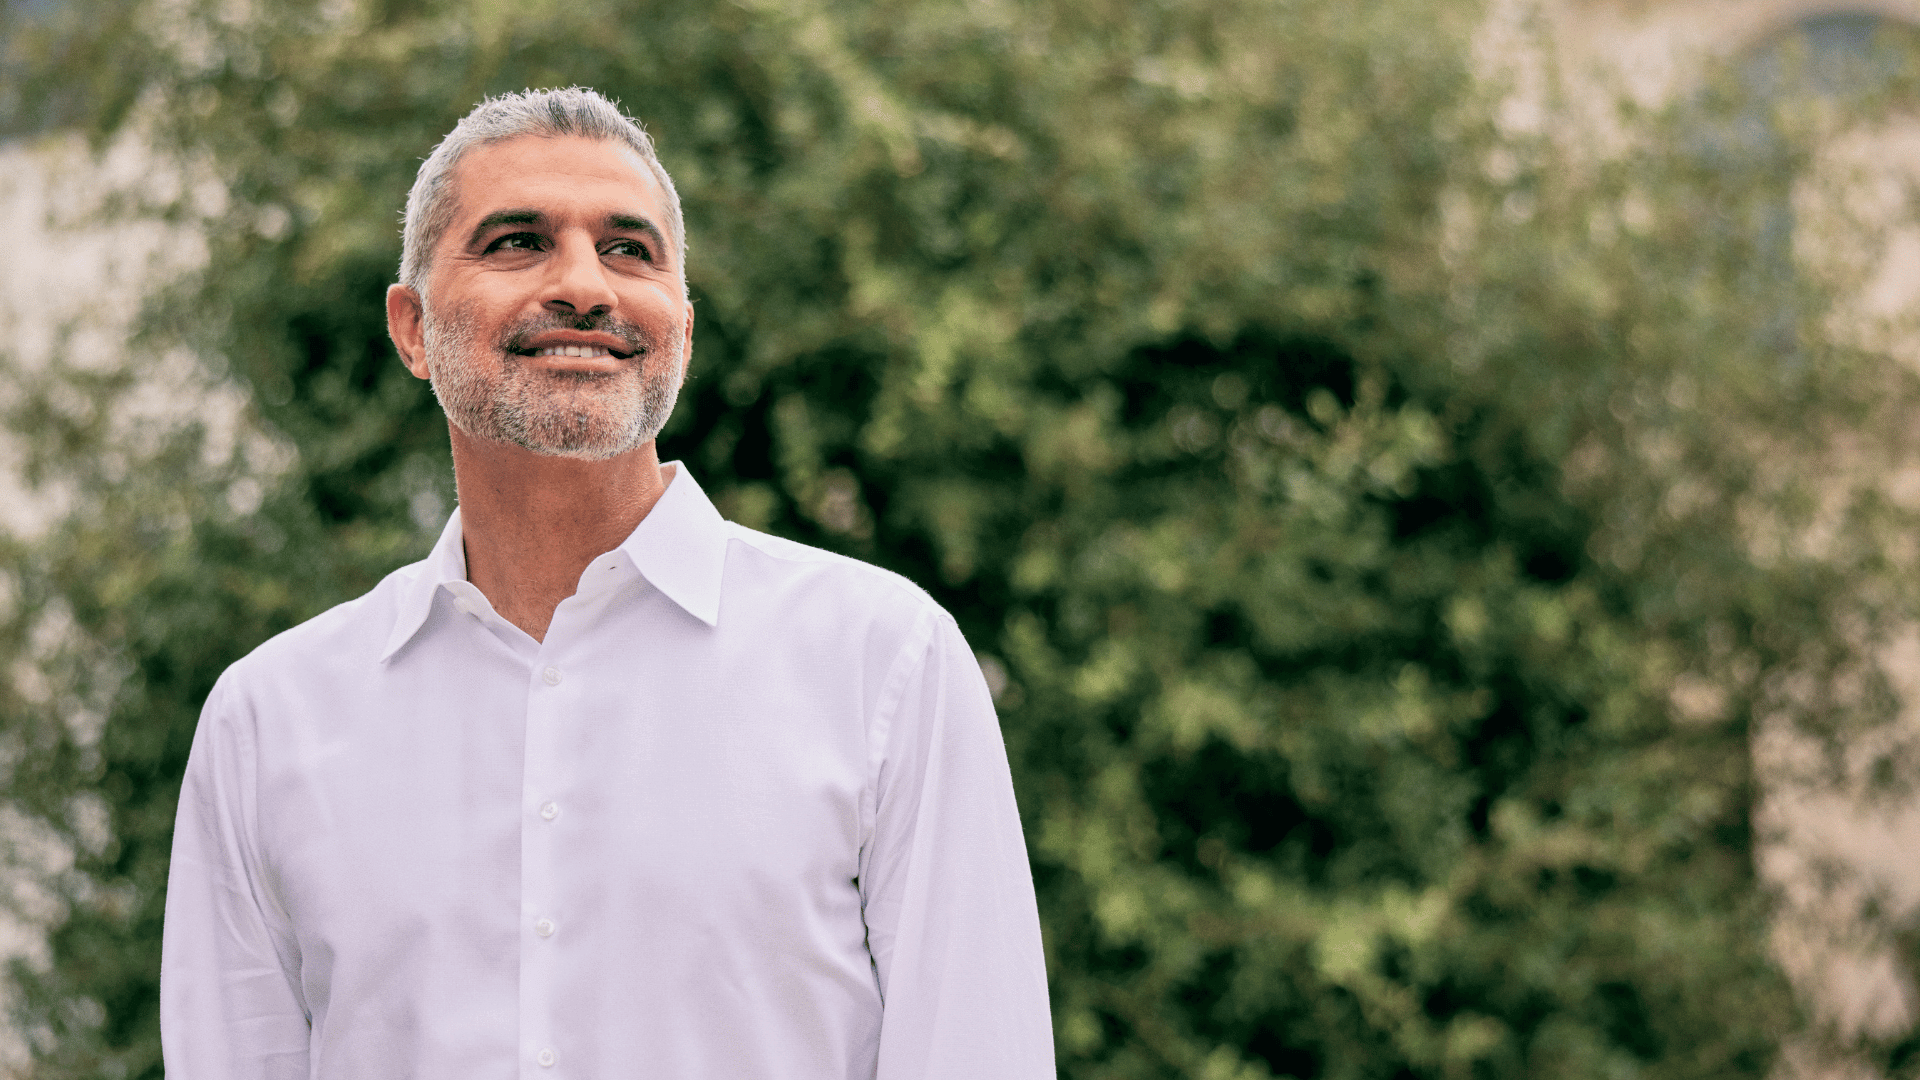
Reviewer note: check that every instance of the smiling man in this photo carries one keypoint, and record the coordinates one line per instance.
(606, 786)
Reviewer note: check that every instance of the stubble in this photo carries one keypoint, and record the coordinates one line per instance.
(489, 391)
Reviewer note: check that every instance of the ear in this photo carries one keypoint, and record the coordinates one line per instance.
(686, 346)
(406, 325)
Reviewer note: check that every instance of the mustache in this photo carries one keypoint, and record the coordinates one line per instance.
(636, 341)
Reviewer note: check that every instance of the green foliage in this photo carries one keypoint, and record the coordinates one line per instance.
(1337, 485)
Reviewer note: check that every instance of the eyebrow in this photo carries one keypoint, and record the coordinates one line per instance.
(505, 217)
(629, 223)
(617, 222)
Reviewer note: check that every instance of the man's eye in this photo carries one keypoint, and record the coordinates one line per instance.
(516, 242)
(633, 248)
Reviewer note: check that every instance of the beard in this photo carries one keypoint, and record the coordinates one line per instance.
(588, 415)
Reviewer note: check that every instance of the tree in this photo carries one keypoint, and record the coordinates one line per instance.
(1334, 484)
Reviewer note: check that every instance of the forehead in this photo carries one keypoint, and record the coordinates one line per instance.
(565, 176)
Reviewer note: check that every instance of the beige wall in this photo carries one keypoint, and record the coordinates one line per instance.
(68, 296)
(1831, 852)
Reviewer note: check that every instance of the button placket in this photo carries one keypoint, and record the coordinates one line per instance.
(539, 887)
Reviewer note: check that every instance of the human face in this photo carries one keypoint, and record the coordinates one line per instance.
(555, 315)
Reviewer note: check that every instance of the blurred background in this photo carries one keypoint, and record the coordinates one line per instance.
(1432, 484)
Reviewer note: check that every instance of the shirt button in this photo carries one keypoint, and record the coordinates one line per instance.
(550, 811)
(551, 676)
(546, 1058)
(544, 928)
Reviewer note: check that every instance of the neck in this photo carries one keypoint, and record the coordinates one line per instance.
(532, 523)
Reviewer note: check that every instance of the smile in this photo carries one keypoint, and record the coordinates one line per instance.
(572, 350)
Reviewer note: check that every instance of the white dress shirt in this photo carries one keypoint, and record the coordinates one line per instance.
(745, 813)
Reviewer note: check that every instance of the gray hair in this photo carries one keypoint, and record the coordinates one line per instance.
(545, 113)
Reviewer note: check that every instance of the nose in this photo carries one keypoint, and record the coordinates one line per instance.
(576, 282)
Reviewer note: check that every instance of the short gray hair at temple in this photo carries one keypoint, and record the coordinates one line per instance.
(543, 113)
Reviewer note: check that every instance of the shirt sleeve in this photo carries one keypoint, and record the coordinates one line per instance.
(229, 1004)
(946, 886)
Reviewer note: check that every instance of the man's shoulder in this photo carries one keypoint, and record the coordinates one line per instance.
(848, 580)
(347, 634)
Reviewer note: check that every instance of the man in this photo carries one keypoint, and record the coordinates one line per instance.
(606, 786)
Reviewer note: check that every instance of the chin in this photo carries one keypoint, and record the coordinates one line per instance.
(587, 451)
(591, 419)
(570, 434)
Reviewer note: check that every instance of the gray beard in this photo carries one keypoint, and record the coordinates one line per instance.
(585, 415)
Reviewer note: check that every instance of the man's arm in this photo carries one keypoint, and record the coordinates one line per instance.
(946, 886)
(228, 1005)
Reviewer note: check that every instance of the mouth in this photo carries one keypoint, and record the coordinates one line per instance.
(585, 351)
(597, 346)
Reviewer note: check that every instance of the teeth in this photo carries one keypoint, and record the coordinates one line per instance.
(572, 350)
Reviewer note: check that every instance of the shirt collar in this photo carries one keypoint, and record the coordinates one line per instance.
(680, 547)
(447, 562)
